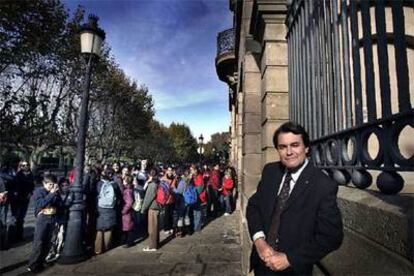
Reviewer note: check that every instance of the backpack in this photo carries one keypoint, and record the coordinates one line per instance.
(107, 198)
(164, 193)
(190, 195)
(138, 200)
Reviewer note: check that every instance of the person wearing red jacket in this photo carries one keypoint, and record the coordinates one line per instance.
(198, 217)
(213, 194)
(227, 191)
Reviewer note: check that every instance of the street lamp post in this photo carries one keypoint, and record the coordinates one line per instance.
(200, 146)
(74, 251)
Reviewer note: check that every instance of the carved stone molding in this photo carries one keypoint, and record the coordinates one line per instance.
(266, 12)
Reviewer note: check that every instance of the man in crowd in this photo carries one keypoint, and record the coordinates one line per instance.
(20, 191)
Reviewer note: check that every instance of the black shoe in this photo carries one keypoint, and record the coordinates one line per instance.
(34, 269)
(128, 245)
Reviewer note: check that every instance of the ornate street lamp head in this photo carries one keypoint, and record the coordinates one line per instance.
(91, 36)
(201, 139)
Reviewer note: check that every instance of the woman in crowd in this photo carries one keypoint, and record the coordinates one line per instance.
(151, 206)
(213, 194)
(190, 199)
(179, 204)
(198, 181)
(139, 219)
(109, 196)
(169, 178)
(127, 211)
(227, 191)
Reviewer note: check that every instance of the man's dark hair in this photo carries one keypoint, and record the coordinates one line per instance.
(293, 128)
(107, 173)
(48, 177)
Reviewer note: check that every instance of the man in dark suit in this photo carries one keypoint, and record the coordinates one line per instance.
(293, 217)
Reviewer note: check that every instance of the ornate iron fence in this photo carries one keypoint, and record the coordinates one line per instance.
(349, 85)
(225, 42)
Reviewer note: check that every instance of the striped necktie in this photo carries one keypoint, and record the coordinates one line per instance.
(272, 235)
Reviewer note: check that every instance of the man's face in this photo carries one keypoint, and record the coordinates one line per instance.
(143, 165)
(170, 172)
(25, 166)
(48, 185)
(291, 149)
(65, 186)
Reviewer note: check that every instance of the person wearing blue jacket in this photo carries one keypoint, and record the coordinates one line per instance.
(47, 203)
(179, 207)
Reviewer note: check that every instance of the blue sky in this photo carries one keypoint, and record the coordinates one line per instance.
(170, 46)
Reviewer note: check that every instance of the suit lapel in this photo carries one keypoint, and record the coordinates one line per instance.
(302, 184)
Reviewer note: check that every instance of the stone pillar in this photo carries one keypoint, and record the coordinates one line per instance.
(252, 155)
(233, 136)
(275, 102)
(239, 143)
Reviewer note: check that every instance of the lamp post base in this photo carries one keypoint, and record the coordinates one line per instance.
(74, 250)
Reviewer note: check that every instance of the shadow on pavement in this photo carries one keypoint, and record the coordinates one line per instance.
(209, 219)
(166, 240)
(28, 238)
(13, 267)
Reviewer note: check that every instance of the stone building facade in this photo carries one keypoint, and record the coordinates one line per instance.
(260, 73)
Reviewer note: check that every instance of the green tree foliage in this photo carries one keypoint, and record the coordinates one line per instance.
(37, 73)
(157, 145)
(28, 31)
(121, 113)
(41, 83)
(183, 143)
(217, 150)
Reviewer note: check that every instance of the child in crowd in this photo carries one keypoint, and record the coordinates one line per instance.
(47, 203)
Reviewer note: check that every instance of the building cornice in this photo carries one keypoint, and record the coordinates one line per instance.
(266, 12)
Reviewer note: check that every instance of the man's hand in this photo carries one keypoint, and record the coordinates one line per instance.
(263, 249)
(277, 261)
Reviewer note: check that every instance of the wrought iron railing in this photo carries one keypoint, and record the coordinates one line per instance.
(349, 85)
(225, 42)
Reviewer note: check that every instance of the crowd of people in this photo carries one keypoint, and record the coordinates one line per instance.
(124, 205)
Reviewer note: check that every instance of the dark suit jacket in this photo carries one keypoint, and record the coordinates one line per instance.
(311, 224)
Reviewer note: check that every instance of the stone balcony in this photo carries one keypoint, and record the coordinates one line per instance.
(226, 59)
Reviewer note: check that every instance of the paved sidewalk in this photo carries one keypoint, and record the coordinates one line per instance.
(214, 251)
(14, 260)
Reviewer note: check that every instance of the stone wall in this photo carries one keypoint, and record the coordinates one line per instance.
(378, 234)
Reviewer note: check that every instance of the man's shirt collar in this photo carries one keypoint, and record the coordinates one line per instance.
(295, 175)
